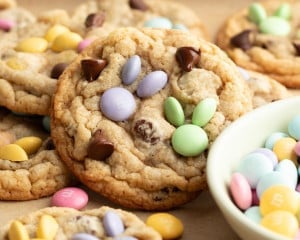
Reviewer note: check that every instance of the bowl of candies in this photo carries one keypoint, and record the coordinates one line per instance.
(253, 171)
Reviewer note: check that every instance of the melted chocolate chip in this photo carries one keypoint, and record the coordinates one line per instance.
(144, 130)
(297, 47)
(94, 20)
(99, 147)
(138, 4)
(187, 57)
(57, 70)
(49, 145)
(92, 68)
(242, 40)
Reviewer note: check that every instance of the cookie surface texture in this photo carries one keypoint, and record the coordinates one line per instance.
(264, 37)
(130, 159)
(91, 222)
(42, 173)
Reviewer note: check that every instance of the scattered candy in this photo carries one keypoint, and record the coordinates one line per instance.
(113, 224)
(29, 144)
(284, 149)
(173, 111)
(32, 45)
(204, 111)
(273, 138)
(17, 231)
(6, 24)
(71, 197)
(131, 70)
(13, 152)
(83, 236)
(84, 44)
(159, 22)
(284, 11)
(66, 41)
(257, 13)
(47, 227)
(275, 26)
(16, 63)
(55, 31)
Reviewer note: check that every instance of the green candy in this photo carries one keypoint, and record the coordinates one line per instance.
(204, 111)
(284, 11)
(275, 25)
(173, 111)
(189, 140)
(256, 13)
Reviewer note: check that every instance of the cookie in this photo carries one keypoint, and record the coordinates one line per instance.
(68, 223)
(7, 4)
(264, 89)
(29, 165)
(103, 16)
(124, 150)
(265, 37)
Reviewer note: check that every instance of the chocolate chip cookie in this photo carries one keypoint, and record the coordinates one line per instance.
(67, 223)
(265, 37)
(118, 107)
(29, 165)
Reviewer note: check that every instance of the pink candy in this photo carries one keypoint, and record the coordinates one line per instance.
(71, 197)
(84, 43)
(6, 24)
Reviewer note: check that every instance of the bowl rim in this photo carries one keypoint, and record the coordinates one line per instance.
(219, 190)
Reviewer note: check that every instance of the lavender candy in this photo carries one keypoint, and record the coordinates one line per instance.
(131, 70)
(113, 224)
(83, 236)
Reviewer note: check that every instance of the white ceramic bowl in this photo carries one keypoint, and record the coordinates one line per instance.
(241, 137)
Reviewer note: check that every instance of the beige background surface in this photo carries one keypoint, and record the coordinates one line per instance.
(201, 218)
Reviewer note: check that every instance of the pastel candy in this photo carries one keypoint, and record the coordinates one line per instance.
(189, 140)
(55, 31)
(152, 83)
(16, 63)
(288, 168)
(17, 231)
(6, 24)
(294, 127)
(256, 13)
(47, 227)
(273, 138)
(113, 224)
(83, 236)
(253, 213)
(253, 166)
(180, 26)
(240, 191)
(29, 144)
(131, 70)
(84, 44)
(71, 197)
(66, 41)
(13, 152)
(125, 238)
(117, 104)
(284, 11)
(32, 45)
(269, 154)
(204, 111)
(173, 111)
(275, 26)
(159, 22)
(284, 149)
(297, 148)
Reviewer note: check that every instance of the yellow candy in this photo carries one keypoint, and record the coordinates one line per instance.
(282, 222)
(279, 197)
(284, 149)
(166, 224)
(33, 45)
(16, 64)
(55, 31)
(29, 144)
(13, 152)
(66, 41)
(17, 231)
(47, 227)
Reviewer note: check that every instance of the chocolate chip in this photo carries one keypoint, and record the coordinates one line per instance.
(144, 130)
(94, 20)
(92, 68)
(187, 57)
(297, 47)
(49, 145)
(99, 147)
(242, 40)
(57, 70)
(138, 4)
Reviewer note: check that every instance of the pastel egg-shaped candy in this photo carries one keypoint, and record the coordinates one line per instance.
(173, 111)
(269, 154)
(84, 44)
(284, 11)
(32, 45)
(159, 22)
(6, 24)
(180, 26)
(131, 69)
(294, 127)
(47, 227)
(117, 104)
(17, 231)
(83, 236)
(125, 238)
(13, 152)
(55, 31)
(71, 197)
(169, 226)
(281, 222)
(113, 224)
(204, 111)
(275, 26)
(273, 138)
(271, 179)
(253, 166)
(256, 13)
(240, 191)
(66, 41)
(253, 213)
(288, 168)
(284, 149)
(16, 63)
(30, 144)
(297, 149)
(189, 140)
(152, 83)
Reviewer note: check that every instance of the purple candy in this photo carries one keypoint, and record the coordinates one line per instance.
(131, 70)
(152, 83)
(83, 236)
(269, 154)
(113, 224)
(117, 104)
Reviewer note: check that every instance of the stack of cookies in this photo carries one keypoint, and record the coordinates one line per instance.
(126, 96)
